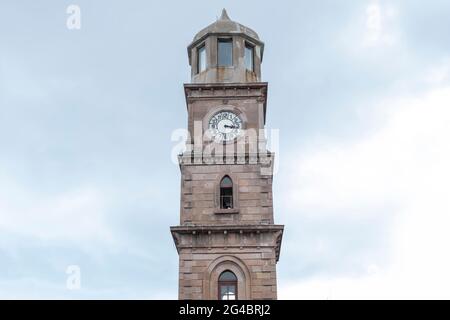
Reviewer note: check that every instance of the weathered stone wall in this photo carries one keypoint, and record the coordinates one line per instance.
(194, 265)
(251, 252)
(200, 204)
(247, 100)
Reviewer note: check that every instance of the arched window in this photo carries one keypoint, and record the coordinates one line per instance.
(226, 193)
(228, 286)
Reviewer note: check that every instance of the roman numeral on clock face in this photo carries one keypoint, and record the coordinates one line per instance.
(225, 126)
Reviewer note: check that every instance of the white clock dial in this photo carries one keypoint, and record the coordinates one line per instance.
(225, 126)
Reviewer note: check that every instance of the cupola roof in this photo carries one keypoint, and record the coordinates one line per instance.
(225, 25)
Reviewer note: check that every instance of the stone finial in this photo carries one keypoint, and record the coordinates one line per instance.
(224, 15)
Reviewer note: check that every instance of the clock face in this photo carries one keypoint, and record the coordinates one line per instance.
(225, 126)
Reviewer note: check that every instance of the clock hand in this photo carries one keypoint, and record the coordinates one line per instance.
(230, 127)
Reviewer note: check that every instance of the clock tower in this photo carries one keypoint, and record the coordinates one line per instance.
(227, 242)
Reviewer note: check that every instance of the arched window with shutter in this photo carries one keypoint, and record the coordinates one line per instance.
(226, 193)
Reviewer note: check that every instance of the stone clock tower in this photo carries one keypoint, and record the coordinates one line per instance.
(227, 242)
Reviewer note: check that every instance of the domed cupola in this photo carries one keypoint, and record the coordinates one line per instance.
(226, 52)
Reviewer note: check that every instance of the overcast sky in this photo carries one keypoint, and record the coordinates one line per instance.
(360, 91)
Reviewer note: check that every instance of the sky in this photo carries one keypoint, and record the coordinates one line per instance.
(360, 93)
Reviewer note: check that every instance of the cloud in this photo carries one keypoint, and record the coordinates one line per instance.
(375, 27)
(72, 215)
(78, 119)
(405, 163)
(439, 74)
